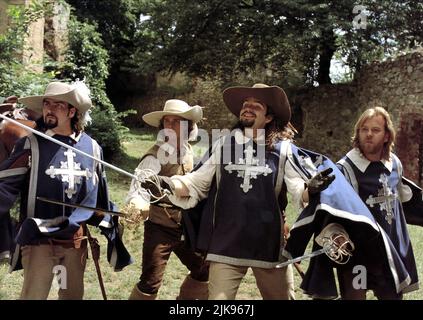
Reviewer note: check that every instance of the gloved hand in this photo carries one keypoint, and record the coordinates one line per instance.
(166, 186)
(11, 99)
(8, 104)
(320, 181)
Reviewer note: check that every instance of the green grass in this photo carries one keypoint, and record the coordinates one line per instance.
(119, 284)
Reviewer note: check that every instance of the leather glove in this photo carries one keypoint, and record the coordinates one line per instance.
(166, 186)
(11, 99)
(320, 181)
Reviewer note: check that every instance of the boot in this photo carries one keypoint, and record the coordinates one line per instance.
(137, 294)
(192, 289)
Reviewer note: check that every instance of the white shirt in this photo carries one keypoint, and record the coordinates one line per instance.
(199, 182)
(138, 196)
(361, 162)
(76, 137)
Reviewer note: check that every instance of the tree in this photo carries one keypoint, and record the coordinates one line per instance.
(86, 58)
(117, 22)
(217, 37)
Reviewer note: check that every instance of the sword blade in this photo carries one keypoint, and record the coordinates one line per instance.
(304, 257)
(98, 210)
(60, 143)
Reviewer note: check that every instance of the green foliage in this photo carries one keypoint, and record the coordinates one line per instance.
(12, 42)
(87, 59)
(116, 20)
(15, 79)
(290, 39)
(86, 56)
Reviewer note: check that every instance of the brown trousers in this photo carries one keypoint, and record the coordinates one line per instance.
(159, 243)
(41, 261)
(274, 284)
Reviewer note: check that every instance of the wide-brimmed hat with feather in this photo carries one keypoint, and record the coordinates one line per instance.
(76, 94)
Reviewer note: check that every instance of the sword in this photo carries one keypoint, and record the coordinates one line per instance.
(60, 143)
(304, 257)
(97, 210)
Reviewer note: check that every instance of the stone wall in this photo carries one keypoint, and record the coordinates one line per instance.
(33, 51)
(55, 32)
(327, 112)
(47, 35)
(3, 16)
(4, 6)
(330, 112)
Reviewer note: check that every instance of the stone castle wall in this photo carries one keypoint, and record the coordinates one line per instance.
(47, 35)
(330, 112)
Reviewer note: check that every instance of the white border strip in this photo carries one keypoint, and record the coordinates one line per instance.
(32, 192)
(13, 172)
(336, 213)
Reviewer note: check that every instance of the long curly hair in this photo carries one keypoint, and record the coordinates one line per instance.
(277, 130)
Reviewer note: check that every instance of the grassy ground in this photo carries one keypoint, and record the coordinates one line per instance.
(119, 284)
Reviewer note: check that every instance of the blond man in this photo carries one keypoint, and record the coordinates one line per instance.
(375, 173)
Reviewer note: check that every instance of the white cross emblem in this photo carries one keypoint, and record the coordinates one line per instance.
(384, 198)
(309, 165)
(248, 168)
(70, 171)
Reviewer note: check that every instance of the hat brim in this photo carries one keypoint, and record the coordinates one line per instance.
(274, 97)
(35, 103)
(153, 118)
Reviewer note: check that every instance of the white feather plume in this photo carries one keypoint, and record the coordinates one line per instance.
(84, 93)
(81, 87)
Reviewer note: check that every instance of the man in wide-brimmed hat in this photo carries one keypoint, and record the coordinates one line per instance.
(53, 238)
(243, 217)
(60, 94)
(172, 154)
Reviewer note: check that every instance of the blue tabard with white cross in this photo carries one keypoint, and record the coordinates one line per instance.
(63, 175)
(241, 225)
(41, 168)
(378, 189)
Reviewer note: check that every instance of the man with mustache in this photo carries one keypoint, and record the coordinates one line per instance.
(245, 182)
(171, 154)
(53, 238)
(375, 173)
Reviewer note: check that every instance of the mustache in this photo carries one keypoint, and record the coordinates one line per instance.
(248, 112)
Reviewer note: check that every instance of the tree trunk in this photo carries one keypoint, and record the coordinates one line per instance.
(326, 52)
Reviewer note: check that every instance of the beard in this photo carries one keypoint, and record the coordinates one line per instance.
(50, 122)
(246, 123)
(370, 148)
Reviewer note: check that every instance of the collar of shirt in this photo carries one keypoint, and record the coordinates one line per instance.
(241, 138)
(361, 162)
(74, 136)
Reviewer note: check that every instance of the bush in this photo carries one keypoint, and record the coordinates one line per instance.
(87, 59)
(15, 79)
